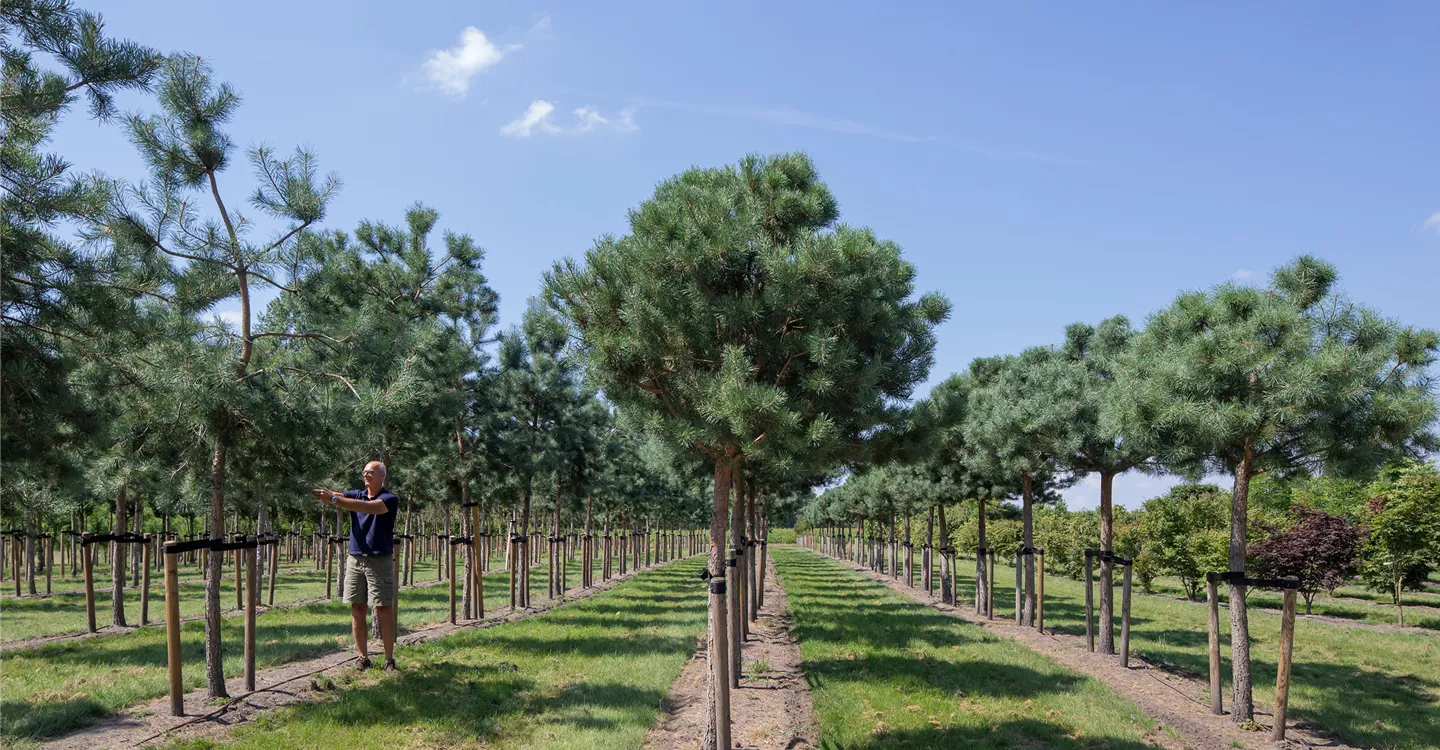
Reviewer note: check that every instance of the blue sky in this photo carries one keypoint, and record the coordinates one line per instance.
(1039, 163)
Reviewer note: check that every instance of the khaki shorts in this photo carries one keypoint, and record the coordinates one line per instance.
(370, 579)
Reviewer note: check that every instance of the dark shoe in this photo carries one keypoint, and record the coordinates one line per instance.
(390, 666)
(364, 664)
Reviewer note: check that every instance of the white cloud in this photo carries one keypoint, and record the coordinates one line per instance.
(452, 69)
(1243, 273)
(537, 115)
(537, 118)
(541, 29)
(1432, 223)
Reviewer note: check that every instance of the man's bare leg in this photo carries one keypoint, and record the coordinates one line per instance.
(362, 633)
(386, 615)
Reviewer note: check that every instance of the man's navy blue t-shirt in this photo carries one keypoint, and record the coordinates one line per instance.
(373, 533)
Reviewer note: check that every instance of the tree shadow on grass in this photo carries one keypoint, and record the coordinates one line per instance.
(1026, 733)
(971, 677)
(465, 699)
(47, 715)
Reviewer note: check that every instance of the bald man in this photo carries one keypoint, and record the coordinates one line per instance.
(370, 576)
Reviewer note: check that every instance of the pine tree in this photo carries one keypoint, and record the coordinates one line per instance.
(211, 368)
(738, 320)
(1090, 353)
(1293, 378)
(1022, 419)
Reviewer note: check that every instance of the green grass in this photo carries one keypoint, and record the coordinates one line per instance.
(60, 686)
(1372, 688)
(1375, 608)
(887, 672)
(590, 675)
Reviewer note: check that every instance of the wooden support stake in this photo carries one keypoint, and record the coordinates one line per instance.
(452, 584)
(1019, 594)
(395, 603)
(1090, 604)
(239, 578)
(1282, 676)
(1216, 699)
(252, 597)
(89, 553)
(475, 540)
(1125, 619)
(172, 632)
(720, 659)
(50, 561)
(1040, 596)
(329, 568)
(274, 570)
(990, 589)
(145, 584)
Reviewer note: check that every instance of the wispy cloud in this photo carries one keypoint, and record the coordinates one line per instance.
(451, 70)
(1432, 223)
(796, 118)
(1243, 273)
(538, 118)
(540, 29)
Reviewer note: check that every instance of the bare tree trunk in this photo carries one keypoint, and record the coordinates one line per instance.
(1027, 617)
(947, 587)
(982, 579)
(1107, 568)
(717, 689)
(117, 563)
(136, 554)
(214, 667)
(1242, 706)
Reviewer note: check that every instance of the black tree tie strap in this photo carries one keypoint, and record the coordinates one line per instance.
(1237, 578)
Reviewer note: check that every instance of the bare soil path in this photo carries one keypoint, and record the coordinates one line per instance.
(771, 710)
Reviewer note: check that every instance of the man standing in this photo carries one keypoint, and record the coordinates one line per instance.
(370, 576)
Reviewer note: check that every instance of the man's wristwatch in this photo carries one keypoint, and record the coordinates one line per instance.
(334, 498)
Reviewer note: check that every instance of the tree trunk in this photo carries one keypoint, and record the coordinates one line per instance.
(1027, 617)
(1242, 708)
(947, 589)
(136, 553)
(524, 559)
(1107, 568)
(117, 563)
(717, 689)
(214, 668)
(982, 581)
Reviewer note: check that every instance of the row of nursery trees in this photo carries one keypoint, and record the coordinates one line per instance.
(1323, 531)
(1294, 379)
(131, 405)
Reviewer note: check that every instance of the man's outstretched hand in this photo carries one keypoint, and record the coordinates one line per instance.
(324, 495)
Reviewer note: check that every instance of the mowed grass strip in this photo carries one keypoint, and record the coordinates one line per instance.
(887, 672)
(60, 686)
(590, 675)
(1373, 688)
